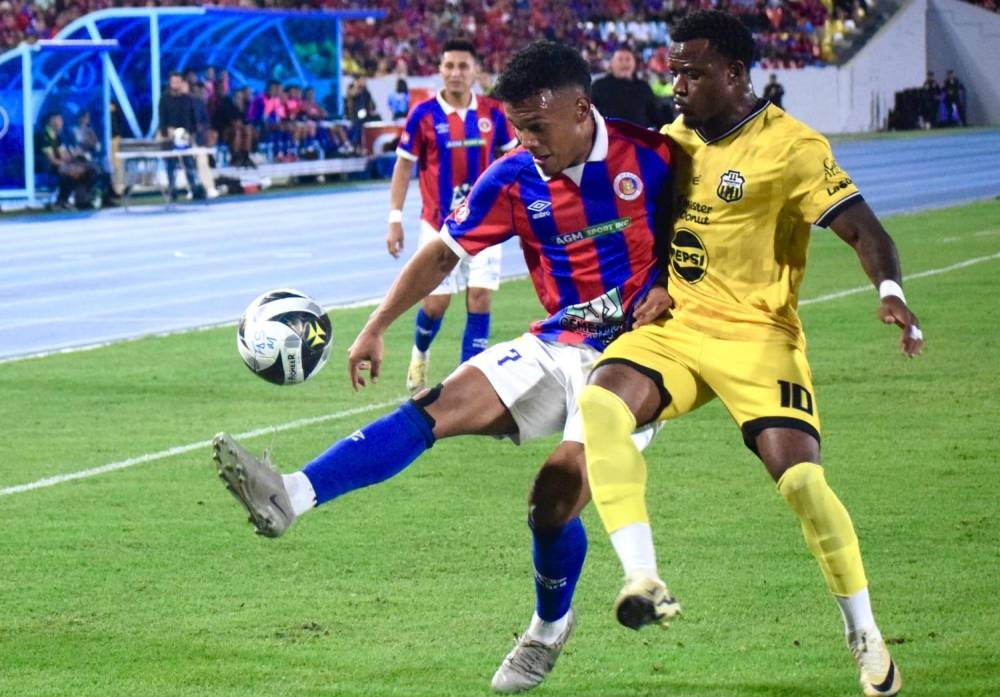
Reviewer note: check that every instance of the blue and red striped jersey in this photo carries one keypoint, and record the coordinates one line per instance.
(591, 235)
(452, 149)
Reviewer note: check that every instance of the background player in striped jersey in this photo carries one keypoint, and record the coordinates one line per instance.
(589, 201)
(452, 138)
(751, 181)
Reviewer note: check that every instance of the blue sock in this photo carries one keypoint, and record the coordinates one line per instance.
(380, 450)
(427, 329)
(558, 562)
(477, 334)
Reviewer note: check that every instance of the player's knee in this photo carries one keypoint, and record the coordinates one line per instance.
(478, 300)
(424, 399)
(556, 496)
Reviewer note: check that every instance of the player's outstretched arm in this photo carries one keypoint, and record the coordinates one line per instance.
(422, 274)
(859, 227)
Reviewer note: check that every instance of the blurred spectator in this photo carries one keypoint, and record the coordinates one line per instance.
(930, 101)
(954, 99)
(359, 107)
(774, 91)
(399, 100)
(621, 95)
(74, 173)
(239, 136)
(178, 124)
(85, 141)
(663, 89)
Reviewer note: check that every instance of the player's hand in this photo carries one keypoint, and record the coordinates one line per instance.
(365, 355)
(394, 239)
(892, 310)
(656, 303)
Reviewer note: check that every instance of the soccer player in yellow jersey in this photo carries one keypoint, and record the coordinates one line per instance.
(750, 183)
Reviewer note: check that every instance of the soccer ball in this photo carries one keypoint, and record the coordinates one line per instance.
(284, 336)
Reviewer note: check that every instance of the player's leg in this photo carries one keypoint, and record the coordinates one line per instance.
(483, 280)
(559, 548)
(463, 404)
(779, 417)
(641, 377)
(429, 319)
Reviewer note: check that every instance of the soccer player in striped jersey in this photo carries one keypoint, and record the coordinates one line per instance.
(751, 181)
(589, 201)
(452, 138)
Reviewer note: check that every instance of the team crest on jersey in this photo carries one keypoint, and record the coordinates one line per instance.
(731, 186)
(627, 186)
(688, 256)
(462, 213)
(485, 125)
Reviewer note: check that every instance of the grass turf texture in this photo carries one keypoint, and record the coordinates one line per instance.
(146, 581)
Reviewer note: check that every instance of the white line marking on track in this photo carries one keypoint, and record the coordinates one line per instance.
(181, 449)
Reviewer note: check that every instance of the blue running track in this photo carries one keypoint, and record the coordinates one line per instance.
(74, 280)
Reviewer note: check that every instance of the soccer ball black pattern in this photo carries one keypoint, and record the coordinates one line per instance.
(284, 336)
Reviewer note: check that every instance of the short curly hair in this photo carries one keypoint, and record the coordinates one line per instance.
(725, 33)
(543, 65)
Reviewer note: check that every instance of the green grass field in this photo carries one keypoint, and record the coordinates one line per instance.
(146, 580)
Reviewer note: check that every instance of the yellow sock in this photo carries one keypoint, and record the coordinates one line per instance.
(615, 467)
(826, 526)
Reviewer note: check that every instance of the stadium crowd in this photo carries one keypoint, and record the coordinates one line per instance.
(789, 33)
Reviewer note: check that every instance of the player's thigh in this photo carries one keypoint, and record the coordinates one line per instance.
(531, 378)
(466, 404)
(765, 385)
(667, 355)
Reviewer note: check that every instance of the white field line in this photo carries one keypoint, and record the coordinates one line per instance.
(180, 449)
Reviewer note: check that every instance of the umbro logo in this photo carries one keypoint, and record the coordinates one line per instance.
(540, 209)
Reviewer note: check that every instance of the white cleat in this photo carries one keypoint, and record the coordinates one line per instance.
(255, 484)
(645, 600)
(529, 662)
(876, 670)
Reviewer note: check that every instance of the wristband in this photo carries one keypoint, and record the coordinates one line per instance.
(889, 287)
(395, 216)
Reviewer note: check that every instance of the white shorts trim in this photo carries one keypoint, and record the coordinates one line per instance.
(480, 271)
(539, 382)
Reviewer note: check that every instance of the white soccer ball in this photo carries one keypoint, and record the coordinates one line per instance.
(284, 336)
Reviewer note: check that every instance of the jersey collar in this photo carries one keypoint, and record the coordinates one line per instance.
(759, 108)
(449, 109)
(598, 152)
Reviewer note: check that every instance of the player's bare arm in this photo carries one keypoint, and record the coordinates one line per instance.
(401, 174)
(420, 276)
(859, 227)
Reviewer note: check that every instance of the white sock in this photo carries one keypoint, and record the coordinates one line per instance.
(300, 492)
(857, 612)
(418, 355)
(546, 632)
(634, 546)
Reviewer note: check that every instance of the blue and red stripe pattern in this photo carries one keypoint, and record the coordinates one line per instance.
(589, 237)
(452, 149)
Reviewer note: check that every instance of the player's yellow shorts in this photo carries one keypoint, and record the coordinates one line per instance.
(762, 384)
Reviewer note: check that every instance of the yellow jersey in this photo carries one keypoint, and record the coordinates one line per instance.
(744, 206)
